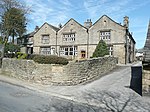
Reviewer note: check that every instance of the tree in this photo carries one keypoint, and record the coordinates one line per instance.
(13, 23)
(101, 49)
(1, 40)
(12, 19)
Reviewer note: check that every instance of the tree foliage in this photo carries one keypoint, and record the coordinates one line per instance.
(11, 48)
(13, 19)
(13, 15)
(1, 40)
(13, 23)
(101, 49)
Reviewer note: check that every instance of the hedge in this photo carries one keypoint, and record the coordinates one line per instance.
(52, 59)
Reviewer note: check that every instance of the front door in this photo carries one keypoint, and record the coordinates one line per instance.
(83, 54)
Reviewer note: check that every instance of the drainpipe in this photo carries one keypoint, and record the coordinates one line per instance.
(87, 44)
(56, 44)
(126, 47)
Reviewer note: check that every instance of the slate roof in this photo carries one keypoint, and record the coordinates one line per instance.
(74, 21)
(108, 18)
(53, 27)
(147, 43)
(147, 46)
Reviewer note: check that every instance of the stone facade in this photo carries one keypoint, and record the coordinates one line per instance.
(75, 41)
(80, 42)
(45, 38)
(146, 64)
(72, 74)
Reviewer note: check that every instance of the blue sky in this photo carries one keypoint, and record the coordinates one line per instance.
(60, 11)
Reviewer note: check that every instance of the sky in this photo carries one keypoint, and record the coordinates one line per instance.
(60, 11)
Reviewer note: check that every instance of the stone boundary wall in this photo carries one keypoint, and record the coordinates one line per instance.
(146, 80)
(72, 74)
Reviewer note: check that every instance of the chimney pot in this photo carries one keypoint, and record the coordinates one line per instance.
(88, 23)
(126, 22)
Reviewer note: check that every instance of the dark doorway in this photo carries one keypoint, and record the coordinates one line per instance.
(136, 79)
(83, 54)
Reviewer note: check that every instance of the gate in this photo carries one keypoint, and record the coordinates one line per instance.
(136, 79)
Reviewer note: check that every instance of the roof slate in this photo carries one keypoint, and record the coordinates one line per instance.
(147, 43)
(147, 46)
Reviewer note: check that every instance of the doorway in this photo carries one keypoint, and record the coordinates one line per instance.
(83, 54)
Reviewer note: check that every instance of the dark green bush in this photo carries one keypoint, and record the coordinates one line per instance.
(9, 55)
(31, 56)
(50, 59)
(101, 49)
(11, 48)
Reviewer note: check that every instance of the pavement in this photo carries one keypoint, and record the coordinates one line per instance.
(117, 81)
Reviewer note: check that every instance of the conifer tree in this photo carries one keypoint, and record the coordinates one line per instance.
(13, 23)
(101, 49)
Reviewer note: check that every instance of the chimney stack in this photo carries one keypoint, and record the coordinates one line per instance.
(36, 28)
(126, 22)
(88, 23)
(60, 26)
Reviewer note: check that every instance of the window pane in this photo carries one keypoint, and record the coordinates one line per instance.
(66, 53)
(71, 53)
(71, 49)
(66, 49)
(45, 39)
(69, 37)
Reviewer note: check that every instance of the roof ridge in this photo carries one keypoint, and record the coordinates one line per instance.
(108, 18)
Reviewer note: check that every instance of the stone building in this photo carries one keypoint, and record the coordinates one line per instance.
(45, 40)
(26, 42)
(75, 41)
(118, 38)
(146, 65)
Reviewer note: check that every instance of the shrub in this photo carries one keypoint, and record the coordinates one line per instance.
(9, 55)
(20, 55)
(31, 56)
(50, 59)
(101, 49)
(11, 48)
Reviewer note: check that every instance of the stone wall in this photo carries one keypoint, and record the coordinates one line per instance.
(72, 74)
(146, 79)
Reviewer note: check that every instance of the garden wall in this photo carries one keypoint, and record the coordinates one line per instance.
(72, 74)
(146, 79)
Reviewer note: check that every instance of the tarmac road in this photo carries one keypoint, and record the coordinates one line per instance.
(15, 97)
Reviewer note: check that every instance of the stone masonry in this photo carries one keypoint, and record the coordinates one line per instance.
(72, 74)
(77, 42)
(146, 80)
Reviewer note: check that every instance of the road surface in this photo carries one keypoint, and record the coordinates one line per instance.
(73, 98)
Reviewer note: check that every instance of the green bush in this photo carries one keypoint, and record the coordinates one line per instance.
(31, 56)
(11, 48)
(101, 49)
(20, 55)
(9, 55)
(42, 59)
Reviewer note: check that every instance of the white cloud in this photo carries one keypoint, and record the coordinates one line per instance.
(59, 11)
(101, 7)
(51, 11)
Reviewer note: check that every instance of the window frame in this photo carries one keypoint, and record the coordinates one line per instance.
(45, 50)
(105, 35)
(45, 40)
(69, 37)
(68, 50)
